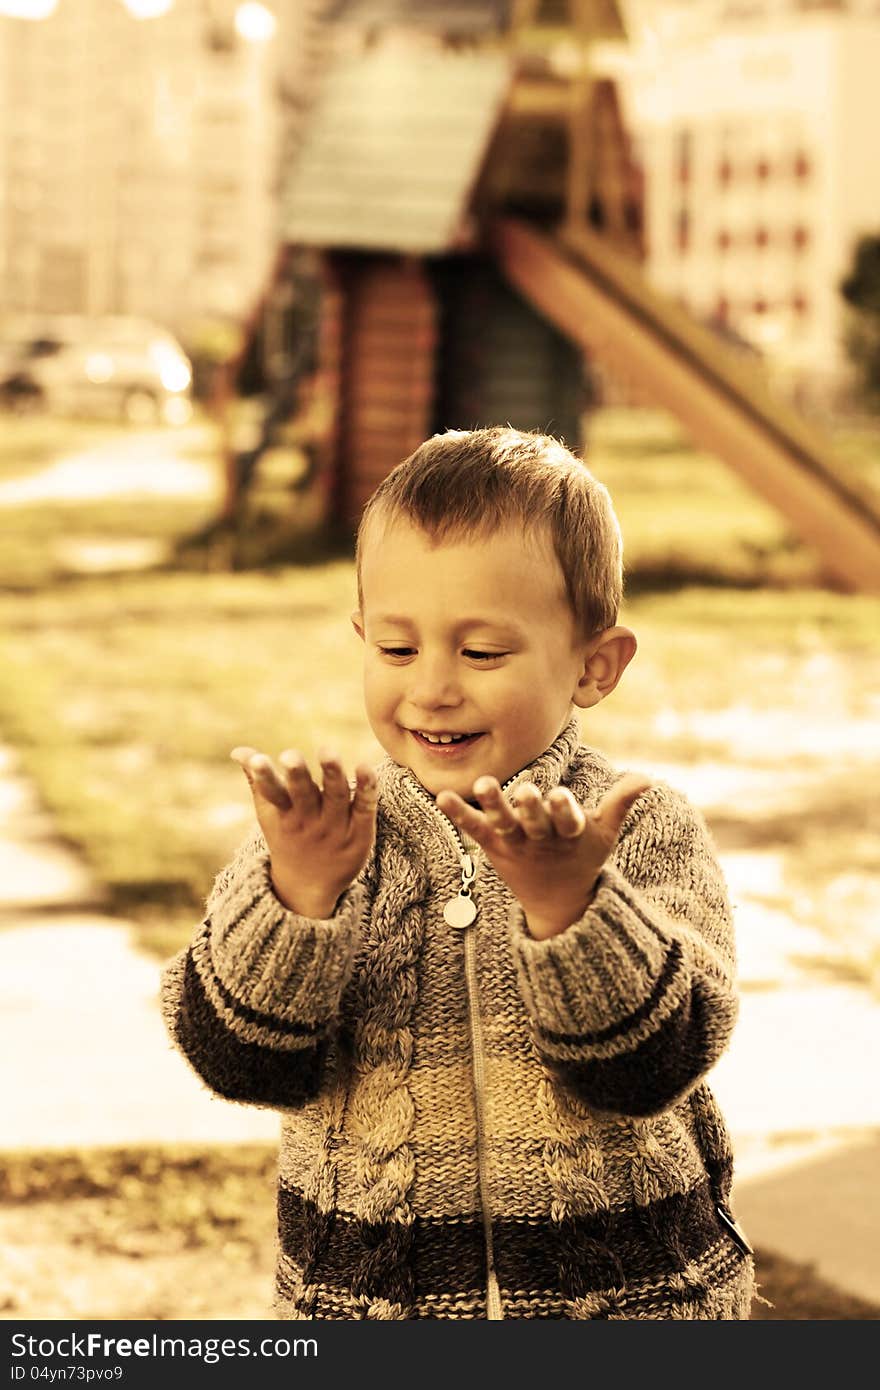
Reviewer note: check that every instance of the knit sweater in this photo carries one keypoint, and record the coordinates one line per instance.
(478, 1124)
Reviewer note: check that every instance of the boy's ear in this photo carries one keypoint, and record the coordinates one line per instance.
(605, 661)
(357, 623)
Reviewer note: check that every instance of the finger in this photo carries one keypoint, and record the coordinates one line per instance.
(366, 794)
(616, 804)
(337, 794)
(303, 793)
(532, 816)
(242, 756)
(497, 809)
(260, 777)
(565, 813)
(466, 817)
(267, 782)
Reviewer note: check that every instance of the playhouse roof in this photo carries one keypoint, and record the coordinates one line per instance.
(605, 18)
(457, 17)
(393, 147)
(477, 16)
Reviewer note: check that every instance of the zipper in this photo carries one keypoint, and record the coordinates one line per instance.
(470, 860)
(493, 1293)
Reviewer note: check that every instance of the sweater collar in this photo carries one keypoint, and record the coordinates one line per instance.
(411, 806)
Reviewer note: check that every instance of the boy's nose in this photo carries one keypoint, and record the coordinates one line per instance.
(434, 686)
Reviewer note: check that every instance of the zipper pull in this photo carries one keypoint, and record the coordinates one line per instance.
(461, 910)
(735, 1230)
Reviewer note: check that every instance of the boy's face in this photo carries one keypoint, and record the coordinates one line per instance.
(467, 637)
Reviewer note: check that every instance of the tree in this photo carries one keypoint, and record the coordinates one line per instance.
(861, 290)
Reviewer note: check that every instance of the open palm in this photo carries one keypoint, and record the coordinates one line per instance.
(548, 850)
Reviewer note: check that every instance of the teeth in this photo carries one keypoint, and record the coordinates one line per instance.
(442, 738)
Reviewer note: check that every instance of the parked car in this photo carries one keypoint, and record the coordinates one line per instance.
(126, 368)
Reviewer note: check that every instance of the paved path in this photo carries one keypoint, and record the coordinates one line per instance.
(135, 463)
(85, 1057)
(86, 1060)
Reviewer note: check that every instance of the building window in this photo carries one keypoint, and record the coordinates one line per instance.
(800, 238)
(762, 170)
(220, 38)
(759, 306)
(800, 304)
(596, 213)
(683, 230)
(725, 172)
(743, 9)
(801, 165)
(683, 154)
(724, 239)
(762, 236)
(632, 216)
(722, 308)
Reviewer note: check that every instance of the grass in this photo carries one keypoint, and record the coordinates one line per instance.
(685, 516)
(682, 513)
(37, 538)
(125, 702)
(124, 693)
(197, 1196)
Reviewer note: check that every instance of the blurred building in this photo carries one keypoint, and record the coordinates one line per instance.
(138, 161)
(757, 139)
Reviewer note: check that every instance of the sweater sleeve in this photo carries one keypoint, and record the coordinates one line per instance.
(631, 1005)
(252, 1001)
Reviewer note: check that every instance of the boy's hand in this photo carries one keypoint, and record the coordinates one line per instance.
(549, 850)
(318, 840)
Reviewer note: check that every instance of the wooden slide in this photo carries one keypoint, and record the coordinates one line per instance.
(602, 302)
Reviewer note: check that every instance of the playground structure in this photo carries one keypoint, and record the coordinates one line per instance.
(594, 297)
(462, 232)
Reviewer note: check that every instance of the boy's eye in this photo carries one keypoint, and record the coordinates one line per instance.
(469, 652)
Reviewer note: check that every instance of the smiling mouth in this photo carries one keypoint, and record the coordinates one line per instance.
(445, 743)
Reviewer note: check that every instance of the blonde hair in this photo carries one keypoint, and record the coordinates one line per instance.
(468, 483)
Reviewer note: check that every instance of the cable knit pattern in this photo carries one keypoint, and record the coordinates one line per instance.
(475, 1123)
(250, 1002)
(382, 1111)
(633, 1003)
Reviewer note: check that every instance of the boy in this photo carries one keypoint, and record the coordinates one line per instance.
(483, 982)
